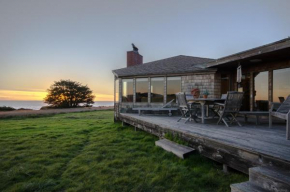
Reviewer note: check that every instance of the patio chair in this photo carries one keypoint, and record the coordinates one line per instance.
(166, 107)
(187, 113)
(230, 108)
(217, 107)
(224, 96)
(283, 112)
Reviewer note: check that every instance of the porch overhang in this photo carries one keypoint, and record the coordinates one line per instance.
(276, 51)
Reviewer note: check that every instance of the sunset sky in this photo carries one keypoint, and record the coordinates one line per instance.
(45, 41)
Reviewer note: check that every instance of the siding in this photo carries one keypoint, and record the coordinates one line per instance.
(209, 82)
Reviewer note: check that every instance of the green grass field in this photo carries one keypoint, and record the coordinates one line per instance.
(88, 152)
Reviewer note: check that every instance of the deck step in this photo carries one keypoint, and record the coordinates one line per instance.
(270, 178)
(177, 149)
(246, 187)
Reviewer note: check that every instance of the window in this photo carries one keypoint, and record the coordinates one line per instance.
(173, 87)
(142, 90)
(261, 91)
(127, 90)
(157, 89)
(281, 84)
(117, 90)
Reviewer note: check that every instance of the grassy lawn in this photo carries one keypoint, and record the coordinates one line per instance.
(87, 152)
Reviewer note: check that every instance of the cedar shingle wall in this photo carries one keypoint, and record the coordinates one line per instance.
(209, 82)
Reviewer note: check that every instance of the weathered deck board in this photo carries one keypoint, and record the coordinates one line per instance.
(255, 139)
(269, 141)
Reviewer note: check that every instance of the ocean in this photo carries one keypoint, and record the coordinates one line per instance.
(36, 105)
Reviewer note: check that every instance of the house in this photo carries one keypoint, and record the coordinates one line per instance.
(262, 73)
(265, 77)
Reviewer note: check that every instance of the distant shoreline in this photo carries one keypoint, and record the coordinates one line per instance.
(20, 113)
(36, 105)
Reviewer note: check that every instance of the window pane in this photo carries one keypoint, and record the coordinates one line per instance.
(117, 90)
(127, 90)
(142, 90)
(281, 84)
(261, 91)
(157, 89)
(173, 87)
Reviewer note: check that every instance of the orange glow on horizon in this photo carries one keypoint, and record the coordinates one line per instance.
(22, 95)
(40, 95)
(103, 97)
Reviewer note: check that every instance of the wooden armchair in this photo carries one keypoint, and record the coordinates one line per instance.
(230, 108)
(283, 112)
(187, 113)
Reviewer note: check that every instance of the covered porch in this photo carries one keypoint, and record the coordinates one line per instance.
(265, 74)
(237, 147)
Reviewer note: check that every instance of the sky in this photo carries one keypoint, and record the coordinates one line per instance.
(46, 41)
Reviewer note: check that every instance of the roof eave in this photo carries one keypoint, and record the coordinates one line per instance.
(282, 44)
(209, 70)
(115, 74)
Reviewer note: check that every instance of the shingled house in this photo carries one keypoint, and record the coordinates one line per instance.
(265, 77)
(262, 73)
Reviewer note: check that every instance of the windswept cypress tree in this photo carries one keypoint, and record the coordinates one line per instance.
(67, 93)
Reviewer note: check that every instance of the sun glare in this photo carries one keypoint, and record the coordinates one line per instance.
(21, 95)
(103, 97)
(40, 95)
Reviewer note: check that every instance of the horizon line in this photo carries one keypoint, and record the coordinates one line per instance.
(40, 100)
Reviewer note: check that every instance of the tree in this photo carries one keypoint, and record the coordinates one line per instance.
(67, 93)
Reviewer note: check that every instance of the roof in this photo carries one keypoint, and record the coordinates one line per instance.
(254, 52)
(173, 65)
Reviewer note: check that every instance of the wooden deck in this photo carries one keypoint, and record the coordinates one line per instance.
(238, 147)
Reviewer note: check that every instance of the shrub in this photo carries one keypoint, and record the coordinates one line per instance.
(6, 108)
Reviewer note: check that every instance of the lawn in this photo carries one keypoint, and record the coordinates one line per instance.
(86, 151)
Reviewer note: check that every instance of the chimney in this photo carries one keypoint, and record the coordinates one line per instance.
(133, 57)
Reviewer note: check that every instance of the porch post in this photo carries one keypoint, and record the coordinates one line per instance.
(115, 107)
(252, 91)
(149, 90)
(165, 90)
(270, 84)
(134, 91)
(115, 89)
(120, 90)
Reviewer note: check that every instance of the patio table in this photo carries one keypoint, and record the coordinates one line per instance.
(203, 102)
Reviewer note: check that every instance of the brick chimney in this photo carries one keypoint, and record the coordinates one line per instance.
(133, 57)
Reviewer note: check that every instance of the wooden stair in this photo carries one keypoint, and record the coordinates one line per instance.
(179, 150)
(265, 179)
(246, 187)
